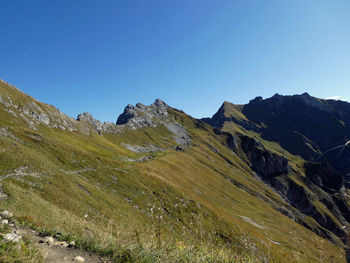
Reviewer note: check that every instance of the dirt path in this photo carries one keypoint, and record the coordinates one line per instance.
(57, 252)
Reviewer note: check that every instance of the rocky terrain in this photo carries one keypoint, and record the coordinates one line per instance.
(254, 183)
(302, 124)
(308, 127)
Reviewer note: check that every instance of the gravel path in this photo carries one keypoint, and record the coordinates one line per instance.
(56, 252)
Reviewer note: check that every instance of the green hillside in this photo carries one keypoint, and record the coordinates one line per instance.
(155, 193)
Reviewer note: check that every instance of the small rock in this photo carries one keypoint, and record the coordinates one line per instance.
(79, 259)
(63, 244)
(72, 244)
(6, 214)
(12, 238)
(49, 240)
(4, 222)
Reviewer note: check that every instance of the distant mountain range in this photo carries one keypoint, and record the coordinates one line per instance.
(267, 181)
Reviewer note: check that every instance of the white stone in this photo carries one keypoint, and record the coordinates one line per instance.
(4, 222)
(12, 238)
(72, 244)
(79, 259)
(63, 244)
(49, 240)
(6, 213)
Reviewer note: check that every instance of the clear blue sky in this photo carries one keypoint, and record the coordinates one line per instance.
(99, 56)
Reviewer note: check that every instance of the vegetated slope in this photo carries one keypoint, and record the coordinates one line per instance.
(160, 186)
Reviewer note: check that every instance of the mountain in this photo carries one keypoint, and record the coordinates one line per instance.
(302, 124)
(308, 127)
(160, 186)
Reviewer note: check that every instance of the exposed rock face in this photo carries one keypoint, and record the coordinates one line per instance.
(11, 237)
(142, 116)
(88, 118)
(323, 184)
(304, 125)
(139, 116)
(325, 176)
(142, 149)
(304, 197)
(230, 141)
(97, 125)
(263, 162)
(181, 136)
(35, 113)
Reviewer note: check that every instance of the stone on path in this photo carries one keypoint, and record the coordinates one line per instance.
(12, 238)
(49, 240)
(79, 259)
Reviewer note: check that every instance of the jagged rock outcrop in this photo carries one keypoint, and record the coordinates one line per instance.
(139, 116)
(322, 186)
(88, 118)
(230, 140)
(265, 163)
(98, 126)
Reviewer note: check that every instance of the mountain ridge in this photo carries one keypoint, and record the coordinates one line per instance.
(166, 178)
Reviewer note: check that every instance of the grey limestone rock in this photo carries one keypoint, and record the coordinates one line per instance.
(139, 116)
(12, 238)
(181, 136)
(98, 125)
(142, 149)
(88, 118)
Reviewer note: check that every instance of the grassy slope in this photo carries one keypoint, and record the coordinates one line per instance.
(201, 197)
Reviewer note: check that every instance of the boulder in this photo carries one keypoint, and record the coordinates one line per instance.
(139, 116)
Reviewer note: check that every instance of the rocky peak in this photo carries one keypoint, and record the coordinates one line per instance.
(141, 115)
(256, 100)
(159, 103)
(314, 102)
(98, 125)
(87, 117)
